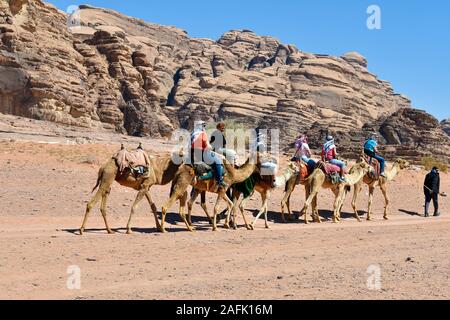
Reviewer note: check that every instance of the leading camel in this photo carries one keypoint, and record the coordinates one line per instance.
(186, 177)
(319, 180)
(161, 172)
(398, 165)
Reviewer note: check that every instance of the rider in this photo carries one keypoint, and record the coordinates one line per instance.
(303, 151)
(371, 150)
(329, 154)
(202, 150)
(219, 143)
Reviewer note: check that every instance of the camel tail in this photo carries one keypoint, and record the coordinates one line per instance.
(99, 179)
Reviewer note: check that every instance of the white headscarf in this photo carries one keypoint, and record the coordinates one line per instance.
(199, 127)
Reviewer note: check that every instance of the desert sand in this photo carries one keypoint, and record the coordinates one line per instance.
(46, 181)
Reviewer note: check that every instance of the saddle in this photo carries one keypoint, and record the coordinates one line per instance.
(203, 171)
(137, 161)
(331, 171)
(376, 172)
(303, 169)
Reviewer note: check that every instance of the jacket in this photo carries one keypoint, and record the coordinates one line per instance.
(432, 182)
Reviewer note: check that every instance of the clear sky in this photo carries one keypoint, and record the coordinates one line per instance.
(411, 50)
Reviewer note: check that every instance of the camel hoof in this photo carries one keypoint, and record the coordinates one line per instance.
(163, 230)
(226, 226)
(110, 231)
(250, 228)
(369, 219)
(386, 218)
(267, 227)
(129, 231)
(81, 232)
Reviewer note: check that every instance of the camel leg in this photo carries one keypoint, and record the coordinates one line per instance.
(266, 209)
(103, 210)
(262, 210)
(357, 190)
(286, 202)
(386, 200)
(216, 212)
(369, 210)
(99, 195)
(138, 199)
(242, 209)
(338, 194)
(307, 205)
(154, 209)
(182, 213)
(315, 210)
(164, 209)
(205, 207)
(194, 195)
(230, 211)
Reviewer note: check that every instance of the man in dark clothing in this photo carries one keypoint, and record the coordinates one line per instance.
(431, 190)
(219, 144)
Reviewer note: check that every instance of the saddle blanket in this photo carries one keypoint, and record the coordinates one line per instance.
(126, 159)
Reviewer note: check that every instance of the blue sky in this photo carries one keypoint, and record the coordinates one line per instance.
(412, 49)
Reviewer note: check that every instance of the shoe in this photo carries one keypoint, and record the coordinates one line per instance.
(426, 215)
(342, 179)
(223, 185)
(383, 175)
(437, 214)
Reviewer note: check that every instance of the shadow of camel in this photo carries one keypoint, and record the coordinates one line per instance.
(411, 213)
(275, 217)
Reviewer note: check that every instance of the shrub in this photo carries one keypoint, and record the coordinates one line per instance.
(430, 162)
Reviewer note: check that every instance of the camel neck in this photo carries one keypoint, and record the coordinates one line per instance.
(287, 174)
(356, 175)
(241, 174)
(391, 174)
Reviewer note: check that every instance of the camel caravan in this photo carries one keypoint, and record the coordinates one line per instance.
(208, 166)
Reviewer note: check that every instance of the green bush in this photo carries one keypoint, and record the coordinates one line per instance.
(430, 162)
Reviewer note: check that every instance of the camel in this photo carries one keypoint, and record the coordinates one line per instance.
(398, 165)
(162, 172)
(264, 188)
(318, 179)
(186, 177)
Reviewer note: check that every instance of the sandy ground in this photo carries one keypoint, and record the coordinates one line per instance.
(46, 183)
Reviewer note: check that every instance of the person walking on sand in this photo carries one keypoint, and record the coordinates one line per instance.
(431, 189)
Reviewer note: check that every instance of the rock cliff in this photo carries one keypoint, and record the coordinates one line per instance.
(120, 73)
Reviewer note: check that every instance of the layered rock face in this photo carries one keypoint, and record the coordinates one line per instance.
(120, 73)
(446, 126)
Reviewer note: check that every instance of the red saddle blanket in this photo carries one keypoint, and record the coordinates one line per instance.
(329, 168)
(304, 170)
(376, 172)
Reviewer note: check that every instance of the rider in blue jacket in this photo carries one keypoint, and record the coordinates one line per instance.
(371, 149)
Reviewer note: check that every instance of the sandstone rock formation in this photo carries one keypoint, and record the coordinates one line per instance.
(446, 126)
(120, 73)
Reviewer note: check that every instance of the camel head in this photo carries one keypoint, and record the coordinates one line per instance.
(402, 163)
(293, 167)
